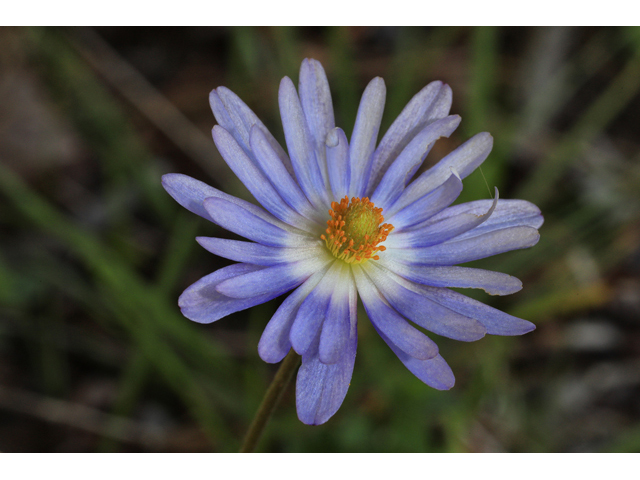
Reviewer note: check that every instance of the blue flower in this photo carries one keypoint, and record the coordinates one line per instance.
(341, 220)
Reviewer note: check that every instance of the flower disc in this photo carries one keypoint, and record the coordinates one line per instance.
(355, 230)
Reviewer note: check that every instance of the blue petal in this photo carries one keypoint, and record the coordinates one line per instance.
(274, 343)
(238, 219)
(439, 232)
(463, 160)
(494, 283)
(508, 213)
(202, 303)
(426, 207)
(237, 118)
(435, 372)
(337, 148)
(321, 388)
(405, 165)
(315, 97)
(461, 251)
(279, 177)
(253, 178)
(313, 310)
(300, 145)
(280, 278)
(309, 319)
(365, 135)
(409, 339)
(440, 106)
(255, 253)
(406, 298)
(496, 322)
(334, 337)
(190, 193)
(233, 119)
(431, 103)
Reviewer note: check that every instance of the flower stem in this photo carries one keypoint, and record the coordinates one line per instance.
(270, 401)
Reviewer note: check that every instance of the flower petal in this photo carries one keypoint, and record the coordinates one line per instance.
(431, 103)
(435, 371)
(313, 310)
(463, 160)
(256, 253)
(237, 118)
(496, 322)
(440, 106)
(365, 135)
(202, 303)
(300, 145)
(335, 329)
(439, 232)
(259, 186)
(426, 207)
(405, 165)
(494, 283)
(239, 219)
(280, 278)
(317, 106)
(508, 213)
(280, 178)
(190, 193)
(321, 388)
(409, 339)
(406, 298)
(461, 251)
(274, 343)
(337, 148)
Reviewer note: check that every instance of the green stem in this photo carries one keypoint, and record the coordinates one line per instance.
(270, 401)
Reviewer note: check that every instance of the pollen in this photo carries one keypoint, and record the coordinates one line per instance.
(355, 231)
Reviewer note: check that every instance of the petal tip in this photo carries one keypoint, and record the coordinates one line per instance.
(167, 179)
(446, 385)
(333, 139)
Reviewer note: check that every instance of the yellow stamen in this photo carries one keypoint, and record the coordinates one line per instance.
(355, 230)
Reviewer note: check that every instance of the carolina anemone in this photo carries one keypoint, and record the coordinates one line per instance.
(341, 220)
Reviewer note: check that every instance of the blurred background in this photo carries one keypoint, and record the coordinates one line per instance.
(94, 353)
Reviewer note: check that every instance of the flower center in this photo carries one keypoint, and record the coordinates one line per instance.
(356, 230)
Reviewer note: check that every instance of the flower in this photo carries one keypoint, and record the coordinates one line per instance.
(342, 220)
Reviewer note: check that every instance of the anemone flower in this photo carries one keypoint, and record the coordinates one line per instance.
(340, 220)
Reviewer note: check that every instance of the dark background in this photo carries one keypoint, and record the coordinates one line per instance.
(94, 353)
